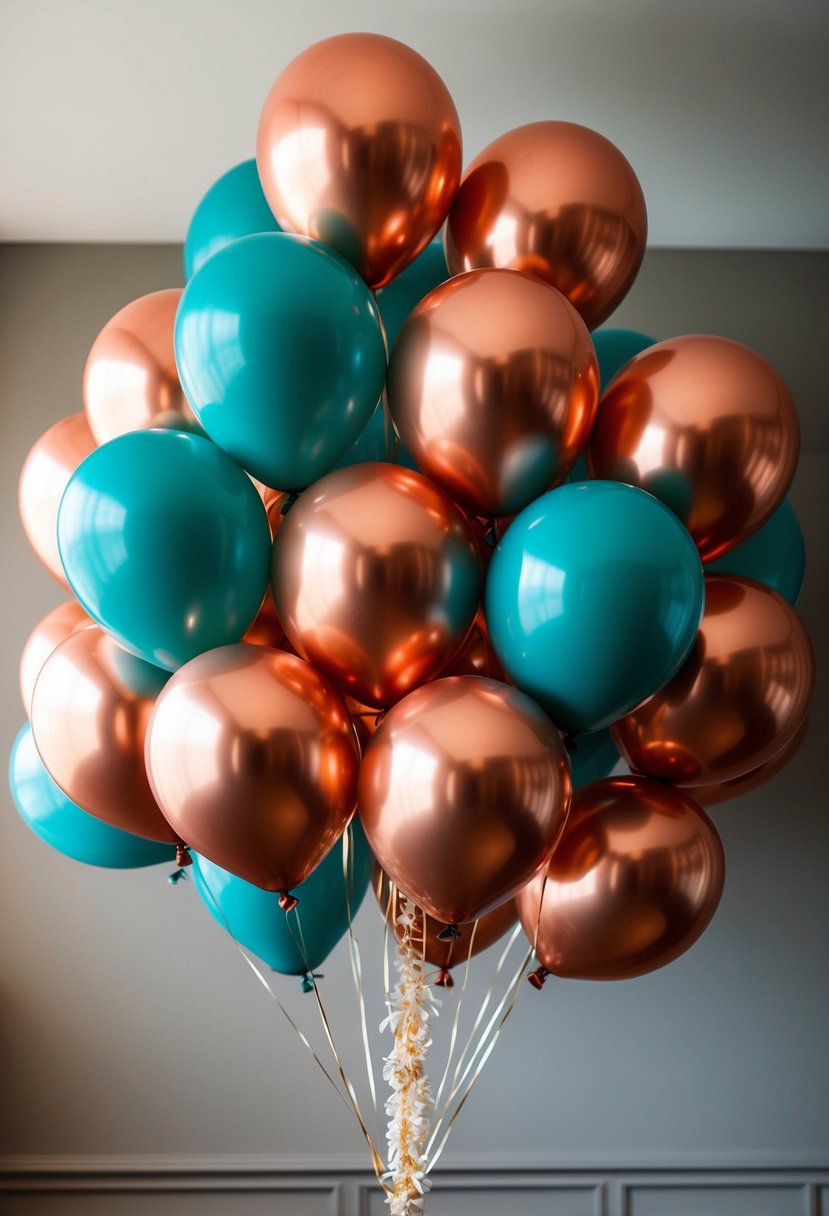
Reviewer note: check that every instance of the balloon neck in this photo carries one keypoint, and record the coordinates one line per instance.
(538, 977)
(449, 933)
(176, 877)
(289, 501)
(287, 901)
(183, 857)
(444, 979)
(308, 981)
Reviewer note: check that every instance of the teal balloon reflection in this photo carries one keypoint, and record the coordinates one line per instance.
(281, 355)
(233, 207)
(166, 544)
(373, 445)
(615, 348)
(592, 757)
(593, 601)
(404, 293)
(254, 918)
(45, 809)
(774, 555)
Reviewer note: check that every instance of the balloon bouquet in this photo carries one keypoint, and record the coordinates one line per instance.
(446, 588)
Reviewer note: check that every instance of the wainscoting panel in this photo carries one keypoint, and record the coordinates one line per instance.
(721, 1198)
(497, 1197)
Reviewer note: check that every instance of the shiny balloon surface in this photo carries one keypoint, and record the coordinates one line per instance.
(48, 633)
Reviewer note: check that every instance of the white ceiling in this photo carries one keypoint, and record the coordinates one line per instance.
(115, 115)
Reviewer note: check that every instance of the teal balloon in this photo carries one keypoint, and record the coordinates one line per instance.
(233, 207)
(45, 809)
(775, 555)
(615, 348)
(371, 446)
(254, 918)
(404, 293)
(280, 353)
(593, 601)
(166, 544)
(592, 757)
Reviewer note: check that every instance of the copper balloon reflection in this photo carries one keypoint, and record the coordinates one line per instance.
(493, 387)
(376, 579)
(48, 633)
(253, 759)
(130, 380)
(443, 954)
(90, 709)
(633, 882)
(741, 696)
(46, 470)
(708, 426)
(359, 146)
(710, 795)
(463, 792)
(556, 200)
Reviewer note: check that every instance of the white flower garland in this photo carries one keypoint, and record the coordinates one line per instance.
(410, 1007)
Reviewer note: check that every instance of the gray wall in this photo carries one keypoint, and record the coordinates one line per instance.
(139, 1052)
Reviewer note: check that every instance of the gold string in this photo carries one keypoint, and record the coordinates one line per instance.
(356, 963)
(456, 1023)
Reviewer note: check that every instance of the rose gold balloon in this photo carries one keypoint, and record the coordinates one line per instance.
(741, 696)
(130, 380)
(556, 200)
(463, 792)
(46, 470)
(708, 426)
(493, 387)
(443, 954)
(90, 709)
(359, 146)
(48, 633)
(253, 759)
(710, 795)
(632, 883)
(376, 579)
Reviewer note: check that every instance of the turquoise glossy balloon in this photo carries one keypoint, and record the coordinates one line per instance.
(592, 757)
(254, 917)
(233, 207)
(166, 544)
(593, 601)
(372, 446)
(615, 348)
(774, 555)
(404, 293)
(281, 355)
(45, 809)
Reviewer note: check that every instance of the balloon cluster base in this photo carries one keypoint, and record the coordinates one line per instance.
(538, 977)
(449, 933)
(287, 901)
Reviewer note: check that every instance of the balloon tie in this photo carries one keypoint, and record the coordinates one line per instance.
(309, 978)
(287, 901)
(176, 877)
(183, 857)
(289, 500)
(449, 933)
(444, 979)
(538, 977)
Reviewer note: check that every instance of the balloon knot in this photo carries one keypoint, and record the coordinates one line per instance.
(444, 979)
(309, 980)
(449, 933)
(289, 501)
(183, 857)
(287, 901)
(538, 977)
(176, 877)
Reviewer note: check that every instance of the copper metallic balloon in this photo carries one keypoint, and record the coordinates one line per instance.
(633, 882)
(359, 146)
(743, 693)
(708, 426)
(253, 759)
(46, 470)
(130, 380)
(48, 633)
(266, 629)
(90, 709)
(463, 792)
(710, 795)
(556, 200)
(377, 579)
(443, 954)
(493, 387)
